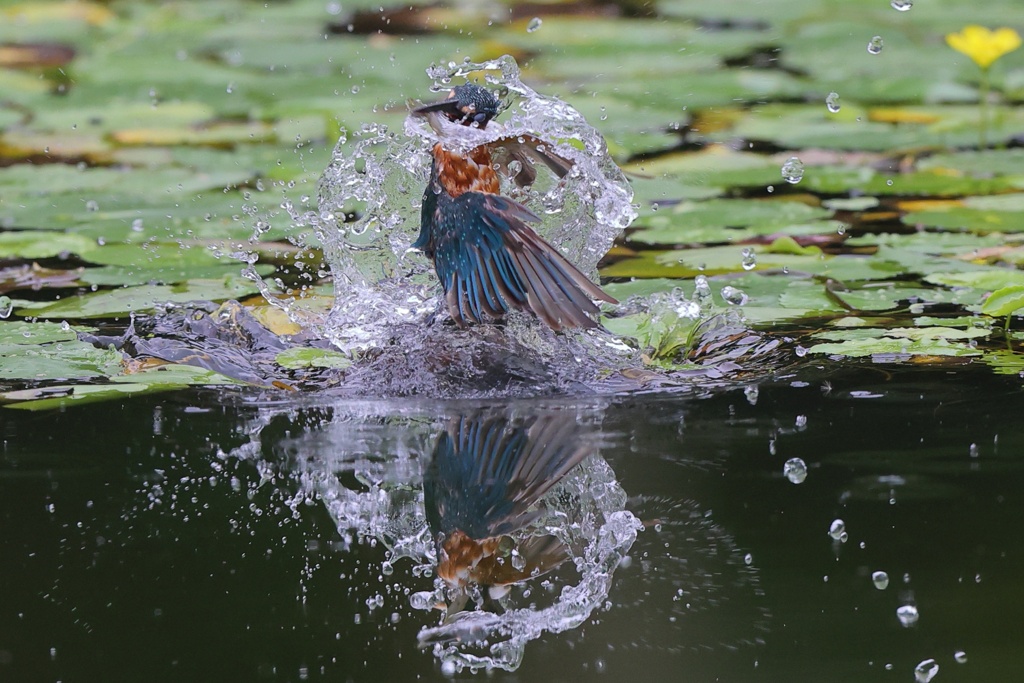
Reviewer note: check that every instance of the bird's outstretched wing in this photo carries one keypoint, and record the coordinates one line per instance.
(490, 261)
(526, 149)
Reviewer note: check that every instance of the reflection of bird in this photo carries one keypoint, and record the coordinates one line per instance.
(487, 258)
(482, 486)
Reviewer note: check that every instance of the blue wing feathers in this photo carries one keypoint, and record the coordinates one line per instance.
(489, 260)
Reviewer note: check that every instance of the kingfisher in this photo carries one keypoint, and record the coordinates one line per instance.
(487, 257)
(482, 492)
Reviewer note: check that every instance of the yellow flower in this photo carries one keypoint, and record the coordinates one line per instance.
(983, 45)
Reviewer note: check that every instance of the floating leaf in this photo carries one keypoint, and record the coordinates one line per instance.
(120, 302)
(153, 380)
(928, 341)
(34, 244)
(300, 357)
(1004, 301)
(56, 361)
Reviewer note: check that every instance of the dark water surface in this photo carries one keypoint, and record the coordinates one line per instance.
(186, 537)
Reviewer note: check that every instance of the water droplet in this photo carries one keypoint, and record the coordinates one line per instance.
(901, 5)
(880, 579)
(6, 307)
(801, 422)
(960, 656)
(749, 259)
(832, 102)
(230, 88)
(973, 450)
(837, 529)
(751, 393)
(734, 296)
(907, 614)
(65, 326)
(748, 559)
(137, 225)
(793, 170)
(795, 470)
(534, 24)
(702, 291)
(875, 45)
(518, 561)
(92, 205)
(926, 670)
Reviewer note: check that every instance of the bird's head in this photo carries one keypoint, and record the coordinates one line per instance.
(467, 104)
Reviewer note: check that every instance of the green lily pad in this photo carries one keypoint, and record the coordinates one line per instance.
(962, 218)
(34, 244)
(983, 163)
(58, 360)
(17, 332)
(986, 279)
(153, 380)
(929, 341)
(299, 357)
(677, 224)
(119, 302)
(1005, 362)
(1004, 301)
(118, 276)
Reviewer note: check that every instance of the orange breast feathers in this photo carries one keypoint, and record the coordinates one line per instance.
(460, 174)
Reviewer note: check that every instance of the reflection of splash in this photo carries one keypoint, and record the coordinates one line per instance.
(371, 465)
(530, 491)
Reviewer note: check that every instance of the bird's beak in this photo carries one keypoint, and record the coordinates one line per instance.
(449, 106)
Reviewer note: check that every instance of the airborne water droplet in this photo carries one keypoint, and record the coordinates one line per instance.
(960, 656)
(926, 670)
(901, 5)
(793, 170)
(795, 470)
(875, 45)
(880, 579)
(734, 296)
(832, 102)
(6, 307)
(702, 291)
(837, 530)
(907, 614)
(749, 259)
(92, 205)
(534, 24)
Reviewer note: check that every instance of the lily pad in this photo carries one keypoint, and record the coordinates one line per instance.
(70, 359)
(927, 341)
(299, 357)
(153, 380)
(120, 302)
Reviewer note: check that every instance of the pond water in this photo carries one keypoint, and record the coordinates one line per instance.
(214, 536)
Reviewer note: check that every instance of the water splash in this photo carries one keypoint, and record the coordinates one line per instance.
(370, 196)
(386, 453)
(388, 314)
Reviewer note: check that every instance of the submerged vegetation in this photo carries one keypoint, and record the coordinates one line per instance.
(814, 179)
